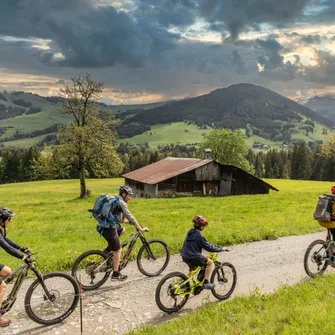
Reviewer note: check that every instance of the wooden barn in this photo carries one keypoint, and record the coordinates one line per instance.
(191, 176)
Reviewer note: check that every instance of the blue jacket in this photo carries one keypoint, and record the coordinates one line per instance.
(194, 243)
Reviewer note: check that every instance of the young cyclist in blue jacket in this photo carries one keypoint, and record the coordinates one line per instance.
(192, 248)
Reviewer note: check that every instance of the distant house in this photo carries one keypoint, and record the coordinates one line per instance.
(191, 176)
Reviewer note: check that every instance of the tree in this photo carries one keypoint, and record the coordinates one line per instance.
(228, 147)
(328, 148)
(88, 143)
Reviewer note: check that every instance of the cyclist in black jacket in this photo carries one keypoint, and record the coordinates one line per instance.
(11, 248)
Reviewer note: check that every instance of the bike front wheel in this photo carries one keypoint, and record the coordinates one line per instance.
(172, 292)
(316, 258)
(53, 299)
(153, 258)
(225, 278)
(91, 269)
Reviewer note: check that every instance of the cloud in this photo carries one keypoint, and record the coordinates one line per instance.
(83, 35)
(238, 16)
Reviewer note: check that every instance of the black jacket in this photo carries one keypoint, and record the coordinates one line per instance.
(194, 243)
(10, 246)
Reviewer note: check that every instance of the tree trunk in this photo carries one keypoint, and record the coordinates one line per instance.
(82, 182)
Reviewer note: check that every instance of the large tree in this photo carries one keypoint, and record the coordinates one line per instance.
(87, 143)
(228, 147)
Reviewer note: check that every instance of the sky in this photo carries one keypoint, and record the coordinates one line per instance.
(155, 50)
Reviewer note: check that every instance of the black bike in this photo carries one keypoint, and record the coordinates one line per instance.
(50, 299)
(93, 267)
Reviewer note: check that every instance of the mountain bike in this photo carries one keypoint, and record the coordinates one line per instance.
(175, 288)
(50, 299)
(317, 255)
(92, 268)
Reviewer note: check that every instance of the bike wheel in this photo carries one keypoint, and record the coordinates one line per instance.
(91, 269)
(316, 258)
(224, 277)
(64, 293)
(171, 292)
(153, 258)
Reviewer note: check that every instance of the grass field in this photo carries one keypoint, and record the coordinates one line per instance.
(54, 222)
(169, 133)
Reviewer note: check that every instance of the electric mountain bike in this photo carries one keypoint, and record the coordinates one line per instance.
(317, 256)
(50, 299)
(175, 288)
(92, 268)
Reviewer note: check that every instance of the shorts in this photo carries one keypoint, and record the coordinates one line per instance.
(111, 235)
(193, 263)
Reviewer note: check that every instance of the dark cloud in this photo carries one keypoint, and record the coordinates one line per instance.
(169, 13)
(236, 16)
(311, 39)
(271, 59)
(85, 35)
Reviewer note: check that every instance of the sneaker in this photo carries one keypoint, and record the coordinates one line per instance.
(4, 322)
(208, 286)
(118, 276)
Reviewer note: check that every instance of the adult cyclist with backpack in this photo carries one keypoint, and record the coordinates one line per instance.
(111, 228)
(11, 248)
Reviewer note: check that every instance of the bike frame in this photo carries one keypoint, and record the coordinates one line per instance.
(194, 282)
(22, 272)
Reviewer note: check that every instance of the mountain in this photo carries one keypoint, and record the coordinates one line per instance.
(323, 105)
(26, 118)
(267, 113)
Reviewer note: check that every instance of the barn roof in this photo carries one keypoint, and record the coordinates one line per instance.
(164, 169)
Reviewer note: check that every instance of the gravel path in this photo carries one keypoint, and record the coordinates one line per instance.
(116, 308)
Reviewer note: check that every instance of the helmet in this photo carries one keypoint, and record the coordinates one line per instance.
(126, 189)
(333, 189)
(199, 221)
(5, 213)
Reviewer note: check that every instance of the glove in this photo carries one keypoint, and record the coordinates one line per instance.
(28, 260)
(25, 250)
(225, 249)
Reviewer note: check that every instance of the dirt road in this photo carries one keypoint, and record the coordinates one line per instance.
(118, 307)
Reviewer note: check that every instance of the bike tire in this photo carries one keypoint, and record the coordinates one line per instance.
(165, 292)
(316, 254)
(148, 265)
(84, 269)
(224, 277)
(65, 292)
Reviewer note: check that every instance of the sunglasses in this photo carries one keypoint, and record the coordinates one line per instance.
(9, 219)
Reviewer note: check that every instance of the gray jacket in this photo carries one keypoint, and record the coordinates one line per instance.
(125, 212)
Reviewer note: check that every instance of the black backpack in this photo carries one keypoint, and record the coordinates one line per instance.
(323, 210)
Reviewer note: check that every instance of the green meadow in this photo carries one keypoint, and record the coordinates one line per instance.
(55, 223)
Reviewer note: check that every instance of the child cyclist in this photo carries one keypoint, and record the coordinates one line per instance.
(192, 248)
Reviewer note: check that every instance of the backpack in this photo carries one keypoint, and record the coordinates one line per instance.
(105, 210)
(323, 210)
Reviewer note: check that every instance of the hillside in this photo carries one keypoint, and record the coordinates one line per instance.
(27, 118)
(265, 112)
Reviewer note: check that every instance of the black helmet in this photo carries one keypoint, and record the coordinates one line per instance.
(126, 189)
(5, 213)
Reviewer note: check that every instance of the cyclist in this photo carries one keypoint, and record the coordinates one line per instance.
(11, 248)
(113, 231)
(192, 248)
